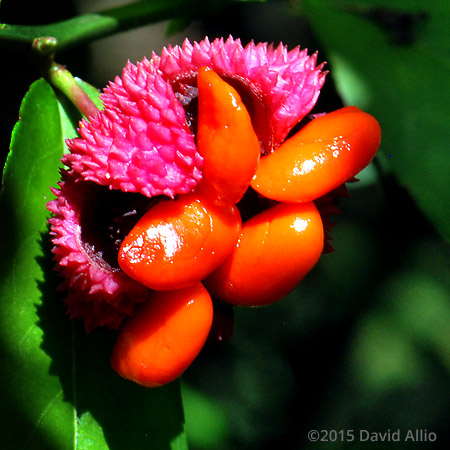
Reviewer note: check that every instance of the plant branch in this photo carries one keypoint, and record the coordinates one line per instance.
(93, 26)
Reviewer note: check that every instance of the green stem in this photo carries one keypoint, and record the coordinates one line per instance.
(89, 27)
(60, 77)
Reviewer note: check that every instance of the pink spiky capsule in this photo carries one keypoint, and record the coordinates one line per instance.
(142, 146)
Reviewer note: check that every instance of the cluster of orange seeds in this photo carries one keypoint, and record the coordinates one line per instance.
(197, 246)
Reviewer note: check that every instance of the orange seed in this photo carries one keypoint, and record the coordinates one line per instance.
(160, 341)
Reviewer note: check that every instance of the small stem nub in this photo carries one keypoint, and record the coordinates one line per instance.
(60, 77)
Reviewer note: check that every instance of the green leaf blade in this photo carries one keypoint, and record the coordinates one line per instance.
(30, 168)
(58, 389)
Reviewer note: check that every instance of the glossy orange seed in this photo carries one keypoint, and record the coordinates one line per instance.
(277, 248)
(225, 139)
(178, 242)
(161, 340)
(324, 154)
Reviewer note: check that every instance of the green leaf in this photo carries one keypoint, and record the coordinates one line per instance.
(58, 390)
(403, 84)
